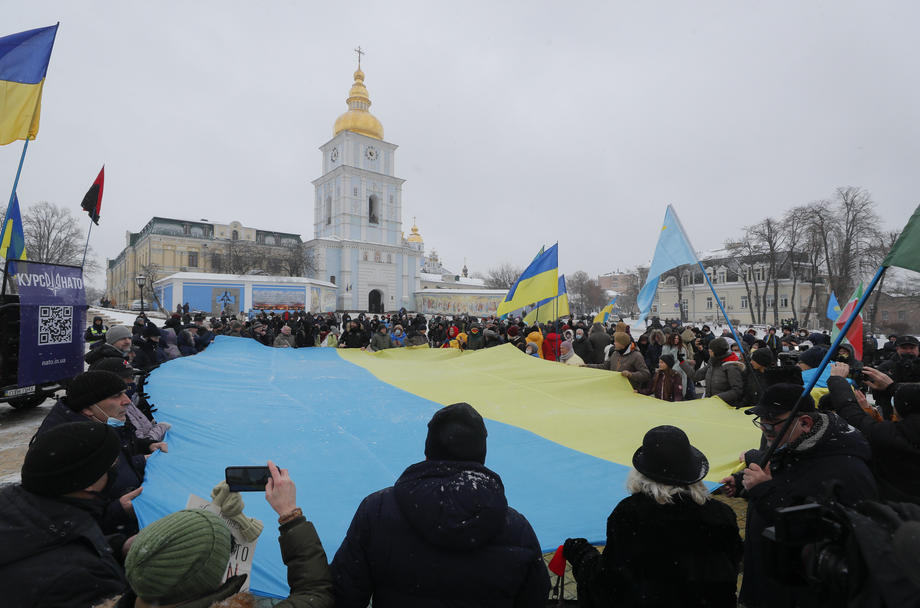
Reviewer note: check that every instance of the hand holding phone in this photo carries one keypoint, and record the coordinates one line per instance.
(280, 491)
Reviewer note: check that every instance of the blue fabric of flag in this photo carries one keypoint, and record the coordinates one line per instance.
(12, 237)
(673, 250)
(24, 56)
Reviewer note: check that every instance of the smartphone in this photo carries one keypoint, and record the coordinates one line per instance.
(247, 479)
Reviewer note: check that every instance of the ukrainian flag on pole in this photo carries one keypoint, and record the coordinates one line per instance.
(538, 282)
(673, 250)
(604, 314)
(551, 309)
(24, 61)
(12, 237)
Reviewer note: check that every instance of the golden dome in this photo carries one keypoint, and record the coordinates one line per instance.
(415, 237)
(357, 119)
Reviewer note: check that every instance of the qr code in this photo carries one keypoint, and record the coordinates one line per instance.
(55, 324)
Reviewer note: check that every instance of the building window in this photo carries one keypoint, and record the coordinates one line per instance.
(376, 256)
(683, 305)
(332, 279)
(365, 256)
(355, 190)
(193, 259)
(684, 280)
(721, 276)
(884, 315)
(901, 315)
(758, 274)
(391, 199)
(784, 301)
(185, 228)
(373, 209)
(328, 210)
(235, 235)
(389, 258)
(744, 302)
(709, 302)
(770, 301)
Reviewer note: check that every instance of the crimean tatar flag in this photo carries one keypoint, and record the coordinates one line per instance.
(24, 61)
(551, 309)
(604, 314)
(92, 202)
(12, 238)
(539, 281)
(855, 335)
(673, 250)
(833, 307)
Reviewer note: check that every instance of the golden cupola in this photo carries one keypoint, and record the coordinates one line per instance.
(415, 237)
(357, 119)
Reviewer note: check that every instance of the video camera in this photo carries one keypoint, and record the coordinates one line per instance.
(788, 358)
(842, 552)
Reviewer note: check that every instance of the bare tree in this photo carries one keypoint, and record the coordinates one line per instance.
(53, 236)
(503, 277)
(585, 293)
(848, 227)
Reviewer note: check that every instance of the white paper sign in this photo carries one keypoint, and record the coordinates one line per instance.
(241, 553)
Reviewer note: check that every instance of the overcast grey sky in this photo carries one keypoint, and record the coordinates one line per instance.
(519, 123)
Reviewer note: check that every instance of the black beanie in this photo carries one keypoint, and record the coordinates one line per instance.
(116, 365)
(907, 399)
(69, 457)
(456, 432)
(92, 387)
(813, 356)
(668, 360)
(763, 356)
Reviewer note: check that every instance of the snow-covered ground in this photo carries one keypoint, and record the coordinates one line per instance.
(125, 317)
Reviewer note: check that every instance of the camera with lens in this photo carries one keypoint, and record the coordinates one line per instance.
(788, 358)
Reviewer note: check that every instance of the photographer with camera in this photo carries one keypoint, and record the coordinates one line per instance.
(816, 448)
(895, 445)
(903, 366)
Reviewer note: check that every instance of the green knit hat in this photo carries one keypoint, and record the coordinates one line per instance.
(180, 557)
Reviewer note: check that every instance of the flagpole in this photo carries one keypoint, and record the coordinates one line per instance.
(722, 308)
(827, 356)
(86, 247)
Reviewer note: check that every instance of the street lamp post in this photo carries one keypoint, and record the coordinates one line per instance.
(141, 280)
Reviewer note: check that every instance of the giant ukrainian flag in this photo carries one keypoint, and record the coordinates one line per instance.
(539, 281)
(347, 423)
(24, 61)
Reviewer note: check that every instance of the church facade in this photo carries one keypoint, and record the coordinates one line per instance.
(358, 241)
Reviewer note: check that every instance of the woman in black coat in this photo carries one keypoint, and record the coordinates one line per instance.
(668, 544)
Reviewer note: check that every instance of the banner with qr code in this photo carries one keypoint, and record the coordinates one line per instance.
(51, 321)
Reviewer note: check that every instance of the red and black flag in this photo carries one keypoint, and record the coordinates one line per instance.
(92, 202)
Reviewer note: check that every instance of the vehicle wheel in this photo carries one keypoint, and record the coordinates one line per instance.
(24, 403)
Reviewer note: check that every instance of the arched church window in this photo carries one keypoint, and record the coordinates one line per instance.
(373, 209)
(235, 235)
(328, 210)
(376, 256)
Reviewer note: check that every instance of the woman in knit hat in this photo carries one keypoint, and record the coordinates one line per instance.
(626, 359)
(667, 382)
(724, 373)
(181, 559)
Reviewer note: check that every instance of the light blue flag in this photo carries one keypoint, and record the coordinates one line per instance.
(833, 307)
(673, 250)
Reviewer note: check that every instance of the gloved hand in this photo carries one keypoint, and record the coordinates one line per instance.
(231, 506)
(574, 549)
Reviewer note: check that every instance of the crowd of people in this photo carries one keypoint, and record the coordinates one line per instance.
(444, 533)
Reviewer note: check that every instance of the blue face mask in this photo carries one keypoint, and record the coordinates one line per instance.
(112, 422)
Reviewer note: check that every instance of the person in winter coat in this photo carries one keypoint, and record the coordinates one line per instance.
(100, 396)
(820, 450)
(182, 558)
(626, 359)
(535, 337)
(656, 342)
(186, 340)
(582, 346)
(145, 427)
(515, 338)
(895, 444)
(724, 374)
(551, 341)
(117, 344)
(755, 382)
(475, 340)
(666, 384)
(599, 341)
(284, 339)
(147, 351)
(354, 337)
(95, 332)
(381, 339)
(52, 551)
(668, 543)
(568, 355)
(492, 336)
(902, 366)
(443, 534)
(170, 349)
(398, 336)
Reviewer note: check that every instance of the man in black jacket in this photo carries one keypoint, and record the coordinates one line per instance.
(443, 534)
(903, 366)
(895, 445)
(818, 449)
(52, 551)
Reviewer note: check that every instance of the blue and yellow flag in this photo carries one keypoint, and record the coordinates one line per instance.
(12, 237)
(833, 307)
(551, 309)
(24, 61)
(538, 282)
(673, 250)
(604, 314)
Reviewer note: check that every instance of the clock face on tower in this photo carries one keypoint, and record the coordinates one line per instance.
(334, 155)
(371, 153)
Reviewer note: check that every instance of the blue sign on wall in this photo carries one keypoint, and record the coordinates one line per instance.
(51, 321)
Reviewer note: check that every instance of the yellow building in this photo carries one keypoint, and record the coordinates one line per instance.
(166, 246)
